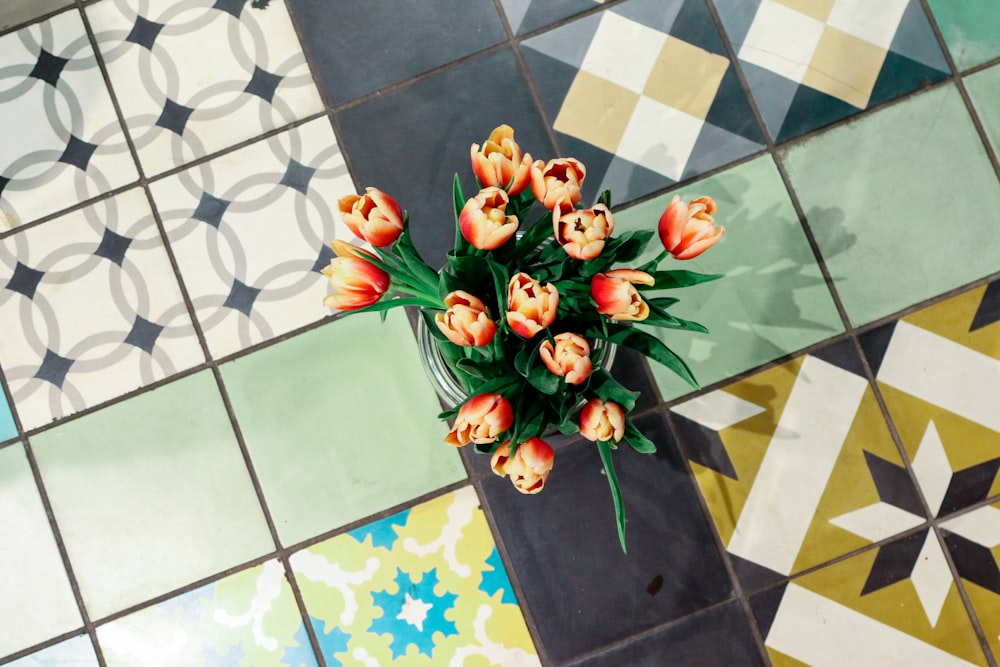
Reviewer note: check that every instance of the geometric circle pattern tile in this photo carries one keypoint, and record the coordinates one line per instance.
(97, 308)
(61, 141)
(251, 230)
(194, 77)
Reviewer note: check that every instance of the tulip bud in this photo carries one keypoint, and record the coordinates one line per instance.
(374, 217)
(357, 283)
(687, 230)
(557, 184)
(569, 359)
(600, 421)
(500, 163)
(481, 420)
(484, 222)
(529, 465)
(582, 233)
(531, 306)
(467, 321)
(615, 294)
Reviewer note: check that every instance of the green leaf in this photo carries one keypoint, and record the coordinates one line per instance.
(543, 380)
(500, 280)
(616, 493)
(470, 367)
(522, 361)
(648, 345)
(605, 198)
(539, 230)
(680, 278)
(662, 302)
(461, 245)
(387, 304)
(637, 440)
(431, 324)
(661, 318)
(607, 388)
(406, 249)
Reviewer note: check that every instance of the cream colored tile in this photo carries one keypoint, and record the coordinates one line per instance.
(686, 77)
(845, 67)
(596, 111)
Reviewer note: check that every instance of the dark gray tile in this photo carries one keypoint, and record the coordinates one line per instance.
(16, 12)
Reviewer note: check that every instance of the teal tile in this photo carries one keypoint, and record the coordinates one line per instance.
(249, 618)
(984, 89)
(75, 652)
(340, 422)
(37, 602)
(773, 300)
(8, 429)
(971, 29)
(897, 203)
(151, 494)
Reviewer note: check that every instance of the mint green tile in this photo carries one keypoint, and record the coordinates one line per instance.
(773, 300)
(36, 601)
(971, 29)
(341, 423)
(75, 652)
(902, 203)
(151, 494)
(8, 429)
(984, 89)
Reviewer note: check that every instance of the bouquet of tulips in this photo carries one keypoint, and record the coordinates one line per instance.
(518, 310)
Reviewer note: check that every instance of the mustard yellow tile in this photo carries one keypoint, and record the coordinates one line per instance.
(597, 111)
(845, 67)
(817, 9)
(686, 77)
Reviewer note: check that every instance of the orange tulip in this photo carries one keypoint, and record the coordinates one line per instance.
(529, 465)
(375, 216)
(481, 420)
(582, 233)
(569, 359)
(357, 283)
(499, 163)
(484, 222)
(467, 321)
(687, 230)
(600, 421)
(556, 184)
(615, 294)
(531, 306)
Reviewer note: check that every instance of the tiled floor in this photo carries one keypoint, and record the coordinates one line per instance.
(200, 467)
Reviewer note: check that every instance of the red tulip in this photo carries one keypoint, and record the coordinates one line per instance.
(481, 420)
(374, 216)
(557, 184)
(687, 230)
(600, 421)
(484, 222)
(499, 163)
(615, 294)
(582, 233)
(357, 283)
(569, 359)
(531, 306)
(528, 467)
(467, 321)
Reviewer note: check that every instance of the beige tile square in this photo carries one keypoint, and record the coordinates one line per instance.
(817, 9)
(596, 111)
(845, 67)
(686, 77)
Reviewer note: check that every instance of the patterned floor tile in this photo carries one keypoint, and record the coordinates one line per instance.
(867, 187)
(151, 494)
(422, 587)
(984, 89)
(251, 231)
(76, 652)
(809, 64)
(15, 12)
(671, 106)
(196, 77)
(970, 29)
(834, 616)
(365, 435)
(557, 541)
(429, 122)
(37, 602)
(527, 15)
(99, 309)
(249, 618)
(718, 637)
(68, 145)
(350, 63)
(773, 301)
(8, 429)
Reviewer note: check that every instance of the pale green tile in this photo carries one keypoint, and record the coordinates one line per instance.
(773, 300)
(341, 423)
(902, 203)
(984, 88)
(151, 494)
(75, 652)
(36, 602)
(971, 29)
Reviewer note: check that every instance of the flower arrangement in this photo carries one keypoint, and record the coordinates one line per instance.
(519, 312)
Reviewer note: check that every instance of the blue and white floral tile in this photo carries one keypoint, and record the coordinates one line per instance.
(62, 142)
(195, 77)
(251, 231)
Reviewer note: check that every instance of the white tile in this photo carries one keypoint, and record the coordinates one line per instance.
(781, 40)
(623, 51)
(660, 138)
(981, 525)
(874, 22)
(717, 410)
